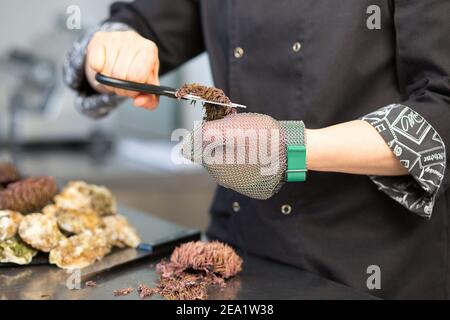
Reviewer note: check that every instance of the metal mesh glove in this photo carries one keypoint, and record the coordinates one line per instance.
(245, 152)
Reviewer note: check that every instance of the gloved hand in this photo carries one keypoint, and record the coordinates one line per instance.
(246, 152)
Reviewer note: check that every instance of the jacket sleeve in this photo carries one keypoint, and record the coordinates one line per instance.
(173, 25)
(417, 129)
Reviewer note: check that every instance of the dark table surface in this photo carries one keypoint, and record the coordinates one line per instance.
(260, 278)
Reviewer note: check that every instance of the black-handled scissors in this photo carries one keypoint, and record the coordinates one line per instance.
(153, 89)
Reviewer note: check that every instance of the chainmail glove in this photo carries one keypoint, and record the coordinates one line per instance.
(245, 152)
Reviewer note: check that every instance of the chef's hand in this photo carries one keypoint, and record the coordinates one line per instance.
(124, 55)
(245, 152)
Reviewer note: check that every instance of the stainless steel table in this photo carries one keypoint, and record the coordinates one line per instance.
(260, 279)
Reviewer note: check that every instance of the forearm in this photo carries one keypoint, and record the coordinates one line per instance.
(353, 147)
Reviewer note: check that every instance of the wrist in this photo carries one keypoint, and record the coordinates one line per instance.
(315, 157)
(294, 132)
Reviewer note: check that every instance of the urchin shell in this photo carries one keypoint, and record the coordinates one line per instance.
(8, 173)
(194, 267)
(184, 286)
(212, 111)
(213, 256)
(28, 195)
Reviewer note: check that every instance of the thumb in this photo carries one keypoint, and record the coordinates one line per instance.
(97, 57)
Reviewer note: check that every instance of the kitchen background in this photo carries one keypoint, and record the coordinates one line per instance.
(129, 151)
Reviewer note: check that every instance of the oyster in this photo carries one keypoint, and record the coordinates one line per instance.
(50, 210)
(15, 251)
(76, 221)
(82, 196)
(9, 224)
(120, 232)
(81, 250)
(40, 231)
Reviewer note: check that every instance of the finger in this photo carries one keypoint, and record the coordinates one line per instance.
(155, 73)
(147, 101)
(123, 70)
(97, 55)
(121, 67)
(113, 50)
(125, 93)
(142, 64)
(153, 77)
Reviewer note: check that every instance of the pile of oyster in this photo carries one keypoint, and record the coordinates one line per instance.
(79, 227)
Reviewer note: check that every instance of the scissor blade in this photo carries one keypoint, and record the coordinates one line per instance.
(196, 98)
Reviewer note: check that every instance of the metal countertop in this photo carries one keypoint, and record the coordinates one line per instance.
(260, 279)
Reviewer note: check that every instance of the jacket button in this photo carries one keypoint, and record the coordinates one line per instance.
(286, 209)
(236, 206)
(238, 52)
(297, 47)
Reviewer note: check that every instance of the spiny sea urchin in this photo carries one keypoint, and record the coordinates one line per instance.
(215, 257)
(28, 195)
(193, 267)
(212, 112)
(8, 173)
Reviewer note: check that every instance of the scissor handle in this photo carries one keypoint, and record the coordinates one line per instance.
(136, 86)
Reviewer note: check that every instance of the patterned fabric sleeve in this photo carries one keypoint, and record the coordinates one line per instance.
(419, 148)
(88, 101)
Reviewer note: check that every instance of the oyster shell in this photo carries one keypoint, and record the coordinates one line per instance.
(82, 196)
(40, 231)
(16, 251)
(81, 250)
(9, 223)
(120, 232)
(50, 210)
(76, 221)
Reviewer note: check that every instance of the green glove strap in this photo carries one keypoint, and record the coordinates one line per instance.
(296, 150)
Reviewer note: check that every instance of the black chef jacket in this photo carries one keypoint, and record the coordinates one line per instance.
(324, 63)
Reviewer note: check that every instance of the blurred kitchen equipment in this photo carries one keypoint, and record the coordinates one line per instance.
(158, 90)
(39, 108)
(33, 95)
